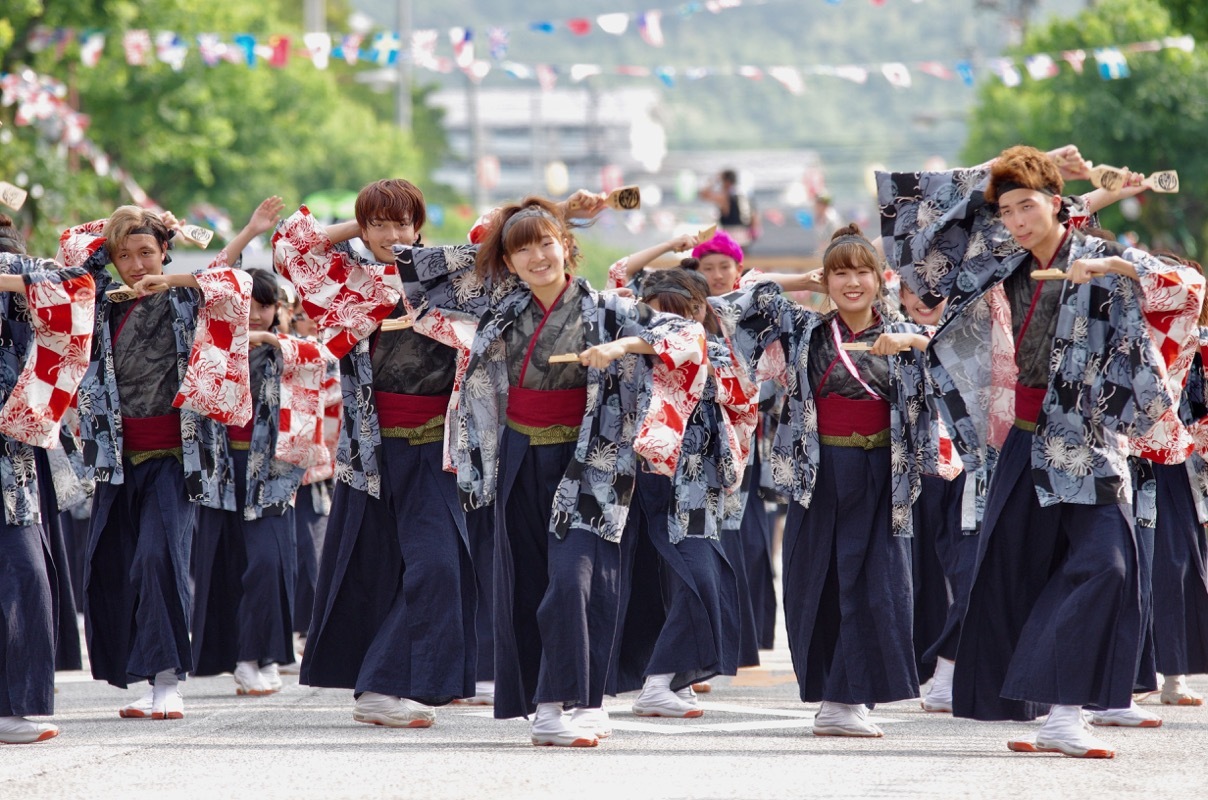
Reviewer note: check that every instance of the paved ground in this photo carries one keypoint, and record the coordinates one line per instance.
(753, 742)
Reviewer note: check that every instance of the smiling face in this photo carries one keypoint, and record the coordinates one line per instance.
(720, 271)
(381, 235)
(261, 316)
(1030, 217)
(137, 256)
(540, 263)
(918, 311)
(853, 287)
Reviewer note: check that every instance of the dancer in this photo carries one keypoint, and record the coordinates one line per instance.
(38, 334)
(151, 411)
(561, 470)
(1054, 615)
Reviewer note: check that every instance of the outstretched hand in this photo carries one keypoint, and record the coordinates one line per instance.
(266, 216)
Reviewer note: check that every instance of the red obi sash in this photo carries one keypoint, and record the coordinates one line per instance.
(141, 434)
(544, 408)
(409, 410)
(1028, 402)
(241, 433)
(839, 416)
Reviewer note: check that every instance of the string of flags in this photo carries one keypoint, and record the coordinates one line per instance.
(143, 48)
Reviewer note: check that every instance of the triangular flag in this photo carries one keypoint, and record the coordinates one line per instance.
(92, 45)
(754, 73)
(349, 48)
(423, 48)
(1006, 71)
(579, 26)
(1184, 43)
(1075, 59)
(632, 71)
(478, 70)
(789, 78)
(247, 43)
(547, 77)
(666, 75)
(651, 28)
(137, 45)
(211, 47)
(1112, 64)
(462, 40)
(897, 74)
(171, 50)
(579, 72)
(517, 71)
(616, 24)
(1042, 67)
(542, 27)
(936, 70)
(852, 73)
(497, 41)
(318, 46)
(280, 45)
(964, 69)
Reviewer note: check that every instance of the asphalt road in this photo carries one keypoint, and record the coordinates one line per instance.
(754, 741)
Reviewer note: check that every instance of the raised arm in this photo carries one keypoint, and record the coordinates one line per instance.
(263, 220)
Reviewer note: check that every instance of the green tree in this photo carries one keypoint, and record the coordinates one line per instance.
(227, 135)
(1152, 120)
(1190, 16)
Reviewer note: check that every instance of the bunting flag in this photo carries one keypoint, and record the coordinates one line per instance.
(1041, 67)
(211, 47)
(1112, 64)
(649, 24)
(748, 71)
(92, 44)
(1006, 71)
(547, 77)
(279, 50)
(666, 75)
(137, 45)
(898, 75)
(423, 48)
(579, 27)
(788, 77)
(318, 47)
(350, 48)
(1075, 58)
(616, 24)
(385, 49)
(247, 45)
(965, 70)
(497, 43)
(581, 72)
(462, 40)
(853, 74)
(936, 70)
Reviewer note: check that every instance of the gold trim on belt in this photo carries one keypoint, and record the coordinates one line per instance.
(139, 456)
(1023, 424)
(239, 444)
(552, 434)
(431, 431)
(879, 439)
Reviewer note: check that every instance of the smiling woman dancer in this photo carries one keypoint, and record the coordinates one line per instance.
(554, 446)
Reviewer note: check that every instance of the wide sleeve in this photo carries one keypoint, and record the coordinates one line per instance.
(300, 432)
(347, 297)
(62, 305)
(216, 383)
(332, 401)
(738, 397)
(443, 293)
(81, 243)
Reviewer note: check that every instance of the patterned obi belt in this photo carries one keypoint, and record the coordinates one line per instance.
(1027, 407)
(853, 423)
(418, 418)
(549, 416)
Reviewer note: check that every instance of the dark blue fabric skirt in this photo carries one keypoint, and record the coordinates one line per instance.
(310, 528)
(395, 599)
(684, 607)
(745, 636)
(557, 601)
(481, 525)
(27, 627)
(68, 655)
(848, 603)
(137, 594)
(1180, 577)
(943, 565)
(1054, 612)
(755, 532)
(243, 578)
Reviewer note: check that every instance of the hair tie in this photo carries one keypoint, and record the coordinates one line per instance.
(526, 212)
(850, 238)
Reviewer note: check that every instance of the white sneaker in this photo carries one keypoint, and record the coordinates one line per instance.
(250, 681)
(939, 696)
(592, 719)
(484, 695)
(140, 708)
(554, 728)
(392, 712)
(842, 719)
(19, 730)
(1176, 693)
(166, 700)
(271, 676)
(1065, 731)
(1132, 717)
(660, 701)
(688, 695)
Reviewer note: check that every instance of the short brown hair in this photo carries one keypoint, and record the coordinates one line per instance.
(129, 221)
(393, 199)
(529, 229)
(1023, 167)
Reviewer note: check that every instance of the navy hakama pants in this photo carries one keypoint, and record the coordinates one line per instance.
(395, 599)
(310, 528)
(755, 533)
(695, 589)
(1054, 614)
(745, 636)
(1180, 577)
(480, 523)
(942, 567)
(557, 601)
(243, 577)
(67, 627)
(848, 603)
(137, 595)
(27, 628)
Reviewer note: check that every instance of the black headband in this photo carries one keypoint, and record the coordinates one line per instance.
(657, 290)
(1002, 187)
(849, 238)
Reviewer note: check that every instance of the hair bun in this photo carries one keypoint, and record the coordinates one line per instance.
(850, 229)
